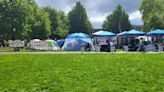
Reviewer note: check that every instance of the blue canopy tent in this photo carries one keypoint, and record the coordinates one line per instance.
(75, 41)
(157, 35)
(103, 34)
(156, 32)
(134, 32)
(78, 35)
(101, 37)
(121, 34)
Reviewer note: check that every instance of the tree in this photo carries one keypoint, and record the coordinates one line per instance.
(14, 18)
(152, 14)
(59, 23)
(78, 20)
(18, 19)
(118, 21)
(40, 25)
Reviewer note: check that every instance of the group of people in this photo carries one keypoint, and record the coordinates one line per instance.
(142, 45)
(132, 44)
(109, 47)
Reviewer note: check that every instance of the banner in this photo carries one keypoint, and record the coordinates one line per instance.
(41, 45)
(103, 40)
(16, 43)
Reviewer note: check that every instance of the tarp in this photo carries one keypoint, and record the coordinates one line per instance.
(156, 32)
(78, 35)
(75, 41)
(103, 33)
(134, 32)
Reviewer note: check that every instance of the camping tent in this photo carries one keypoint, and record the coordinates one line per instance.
(156, 32)
(52, 45)
(75, 41)
(134, 32)
(43, 45)
(60, 42)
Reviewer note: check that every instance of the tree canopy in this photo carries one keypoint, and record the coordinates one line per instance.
(118, 21)
(152, 14)
(21, 18)
(59, 23)
(78, 20)
(24, 19)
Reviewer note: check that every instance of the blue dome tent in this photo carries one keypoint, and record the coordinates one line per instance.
(156, 32)
(134, 32)
(75, 41)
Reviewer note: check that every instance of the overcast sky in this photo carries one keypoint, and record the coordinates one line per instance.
(98, 9)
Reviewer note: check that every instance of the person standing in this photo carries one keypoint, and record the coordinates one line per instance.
(126, 48)
(141, 45)
(108, 44)
(112, 46)
(97, 46)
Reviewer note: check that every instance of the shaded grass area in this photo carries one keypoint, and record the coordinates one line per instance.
(9, 49)
(82, 73)
(6, 49)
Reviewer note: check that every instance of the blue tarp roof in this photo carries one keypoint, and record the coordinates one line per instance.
(134, 32)
(78, 35)
(121, 34)
(156, 32)
(104, 33)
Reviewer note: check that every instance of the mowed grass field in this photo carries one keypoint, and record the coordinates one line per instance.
(82, 73)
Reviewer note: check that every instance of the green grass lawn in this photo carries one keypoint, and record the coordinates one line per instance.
(82, 73)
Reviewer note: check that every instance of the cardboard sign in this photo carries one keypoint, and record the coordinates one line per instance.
(16, 43)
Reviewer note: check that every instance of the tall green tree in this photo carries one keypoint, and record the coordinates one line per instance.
(14, 15)
(40, 28)
(18, 19)
(152, 14)
(59, 23)
(78, 20)
(118, 21)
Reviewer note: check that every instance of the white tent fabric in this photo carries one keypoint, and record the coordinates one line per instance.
(43, 45)
(75, 44)
(52, 45)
